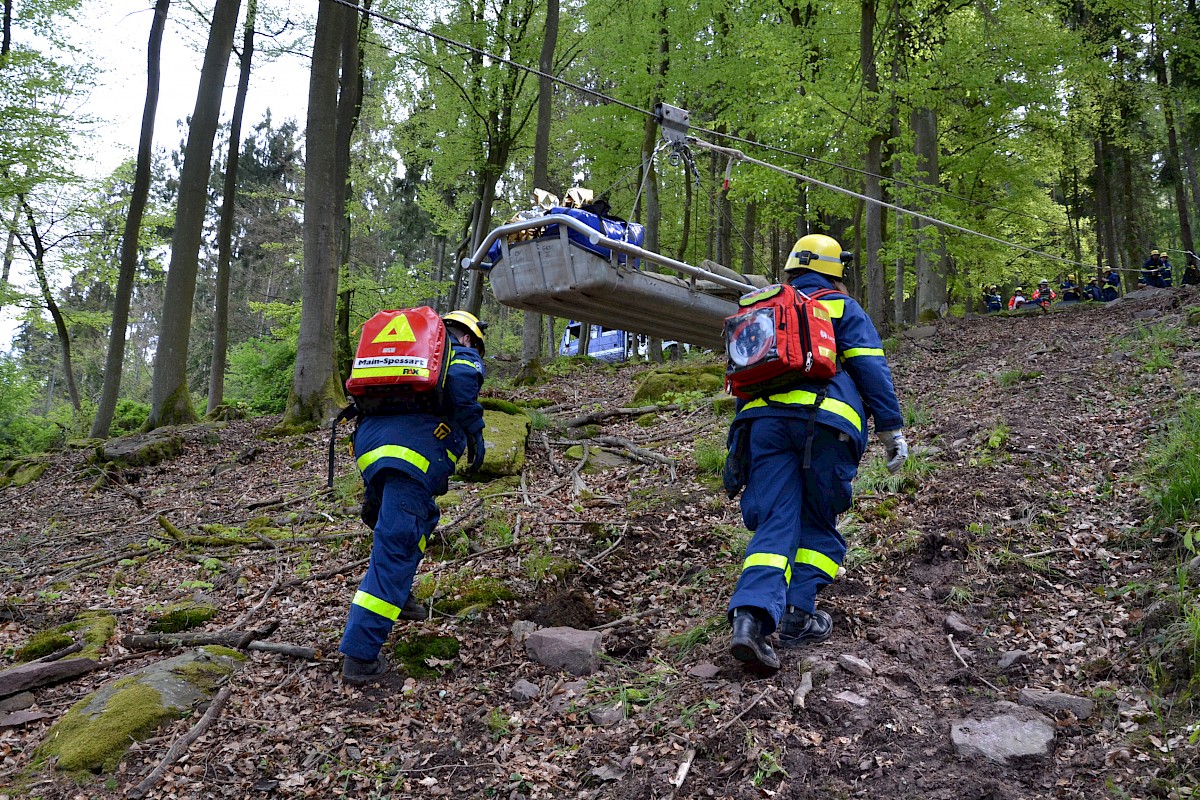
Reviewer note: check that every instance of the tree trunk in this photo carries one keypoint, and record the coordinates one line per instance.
(216, 372)
(1105, 229)
(487, 196)
(115, 360)
(10, 246)
(531, 322)
(1174, 162)
(36, 249)
(315, 391)
(931, 276)
(873, 214)
(169, 398)
(352, 87)
(6, 34)
(749, 223)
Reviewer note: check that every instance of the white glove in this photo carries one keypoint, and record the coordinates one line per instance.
(896, 446)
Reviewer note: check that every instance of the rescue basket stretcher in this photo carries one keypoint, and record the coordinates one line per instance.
(551, 275)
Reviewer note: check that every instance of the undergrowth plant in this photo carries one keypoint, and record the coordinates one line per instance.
(1172, 473)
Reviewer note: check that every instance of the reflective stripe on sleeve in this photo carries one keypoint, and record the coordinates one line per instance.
(862, 351)
(393, 451)
(769, 560)
(801, 397)
(423, 544)
(836, 308)
(464, 361)
(372, 603)
(818, 560)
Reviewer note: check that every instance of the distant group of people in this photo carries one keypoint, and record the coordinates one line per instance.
(1155, 272)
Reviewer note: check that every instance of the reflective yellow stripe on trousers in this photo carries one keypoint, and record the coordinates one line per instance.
(801, 397)
(854, 352)
(393, 451)
(769, 560)
(372, 603)
(818, 560)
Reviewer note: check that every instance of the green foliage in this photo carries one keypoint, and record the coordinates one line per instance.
(1171, 477)
(260, 373)
(1014, 376)
(710, 456)
(916, 414)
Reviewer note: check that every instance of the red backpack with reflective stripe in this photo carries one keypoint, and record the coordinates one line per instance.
(780, 337)
(401, 362)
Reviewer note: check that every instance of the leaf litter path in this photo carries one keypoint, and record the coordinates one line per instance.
(1031, 429)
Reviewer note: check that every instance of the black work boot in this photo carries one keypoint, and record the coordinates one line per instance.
(413, 610)
(749, 646)
(798, 628)
(357, 672)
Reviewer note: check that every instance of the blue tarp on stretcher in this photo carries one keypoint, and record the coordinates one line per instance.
(630, 232)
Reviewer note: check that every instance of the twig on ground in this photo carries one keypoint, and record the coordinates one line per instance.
(597, 416)
(977, 676)
(690, 756)
(181, 744)
(577, 484)
(240, 621)
(1050, 552)
(802, 690)
(58, 654)
(329, 573)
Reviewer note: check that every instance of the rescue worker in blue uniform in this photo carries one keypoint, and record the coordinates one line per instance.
(993, 299)
(1112, 285)
(1092, 291)
(795, 452)
(1152, 270)
(406, 460)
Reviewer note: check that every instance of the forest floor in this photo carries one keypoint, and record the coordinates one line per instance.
(1019, 525)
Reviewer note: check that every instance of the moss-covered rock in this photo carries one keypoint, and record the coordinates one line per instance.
(476, 594)
(672, 382)
(648, 420)
(1193, 316)
(43, 643)
(226, 412)
(421, 655)
(140, 449)
(182, 617)
(29, 473)
(498, 404)
(94, 735)
(506, 435)
(724, 404)
(598, 460)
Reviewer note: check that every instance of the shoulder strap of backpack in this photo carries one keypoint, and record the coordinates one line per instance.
(349, 412)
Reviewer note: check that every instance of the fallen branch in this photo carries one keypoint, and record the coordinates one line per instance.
(59, 654)
(32, 675)
(973, 674)
(166, 641)
(285, 649)
(597, 416)
(801, 691)
(329, 573)
(181, 744)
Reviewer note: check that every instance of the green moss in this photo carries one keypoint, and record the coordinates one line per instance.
(724, 405)
(449, 500)
(96, 627)
(414, 652)
(503, 406)
(43, 643)
(536, 402)
(657, 385)
(28, 474)
(183, 617)
(481, 592)
(85, 742)
(509, 483)
(647, 420)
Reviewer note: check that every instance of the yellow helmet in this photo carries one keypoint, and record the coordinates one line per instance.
(1154, 253)
(820, 253)
(466, 319)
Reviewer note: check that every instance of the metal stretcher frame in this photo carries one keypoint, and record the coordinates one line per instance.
(551, 275)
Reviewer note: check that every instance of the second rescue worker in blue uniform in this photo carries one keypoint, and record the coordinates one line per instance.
(797, 470)
(407, 459)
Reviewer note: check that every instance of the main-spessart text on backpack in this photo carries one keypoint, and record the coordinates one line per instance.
(779, 337)
(399, 367)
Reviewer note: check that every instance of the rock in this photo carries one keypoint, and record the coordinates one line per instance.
(607, 716)
(505, 435)
(1007, 731)
(850, 698)
(919, 332)
(654, 385)
(1149, 313)
(141, 449)
(523, 691)
(521, 630)
(29, 473)
(1118, 357)
(1194, 570)
(1011, 658)
(565, 696)
(855, 665)
(598, 459)
(97, 731)
(705, 671)
(957, 625)
(1053, 702)
(926, 450)
(723, 404)
(576, 651)
(19, 719)
(17, 702)
(818, 666)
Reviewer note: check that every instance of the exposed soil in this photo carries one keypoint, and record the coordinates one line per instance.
(1027, 524)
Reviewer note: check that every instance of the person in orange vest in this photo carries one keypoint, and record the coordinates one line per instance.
(1044, 295)
(1017, 300)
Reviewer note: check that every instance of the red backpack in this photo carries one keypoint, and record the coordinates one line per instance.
(401, 362)
(781, 336)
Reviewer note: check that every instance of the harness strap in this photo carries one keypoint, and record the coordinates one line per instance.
(349, 412)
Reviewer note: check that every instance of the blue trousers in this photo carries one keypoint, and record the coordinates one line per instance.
(407, 516)
(796, 548)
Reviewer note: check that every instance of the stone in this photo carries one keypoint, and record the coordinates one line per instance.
(19, 719)
(855, 665)
(505, 436)
(850, 698)
(656, 384)
(141, 449)
(1004, 732)
(521, 630)
(957, 625)
(17, 702)
(1194, 569)
(96, 732)
(1053, 702)
(607, 716)
(704, 671)
(919, 332)
(1149, 313)
(1118, 357)
(1011, 658)
(524, 691)
(926, 451)
(576, 651)
(818, 666)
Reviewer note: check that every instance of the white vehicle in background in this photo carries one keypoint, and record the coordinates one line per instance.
(612, 346)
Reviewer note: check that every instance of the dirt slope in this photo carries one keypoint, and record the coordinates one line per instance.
(1020, 516)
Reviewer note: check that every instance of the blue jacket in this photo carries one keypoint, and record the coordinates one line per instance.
(426, 446)
(862, 385)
